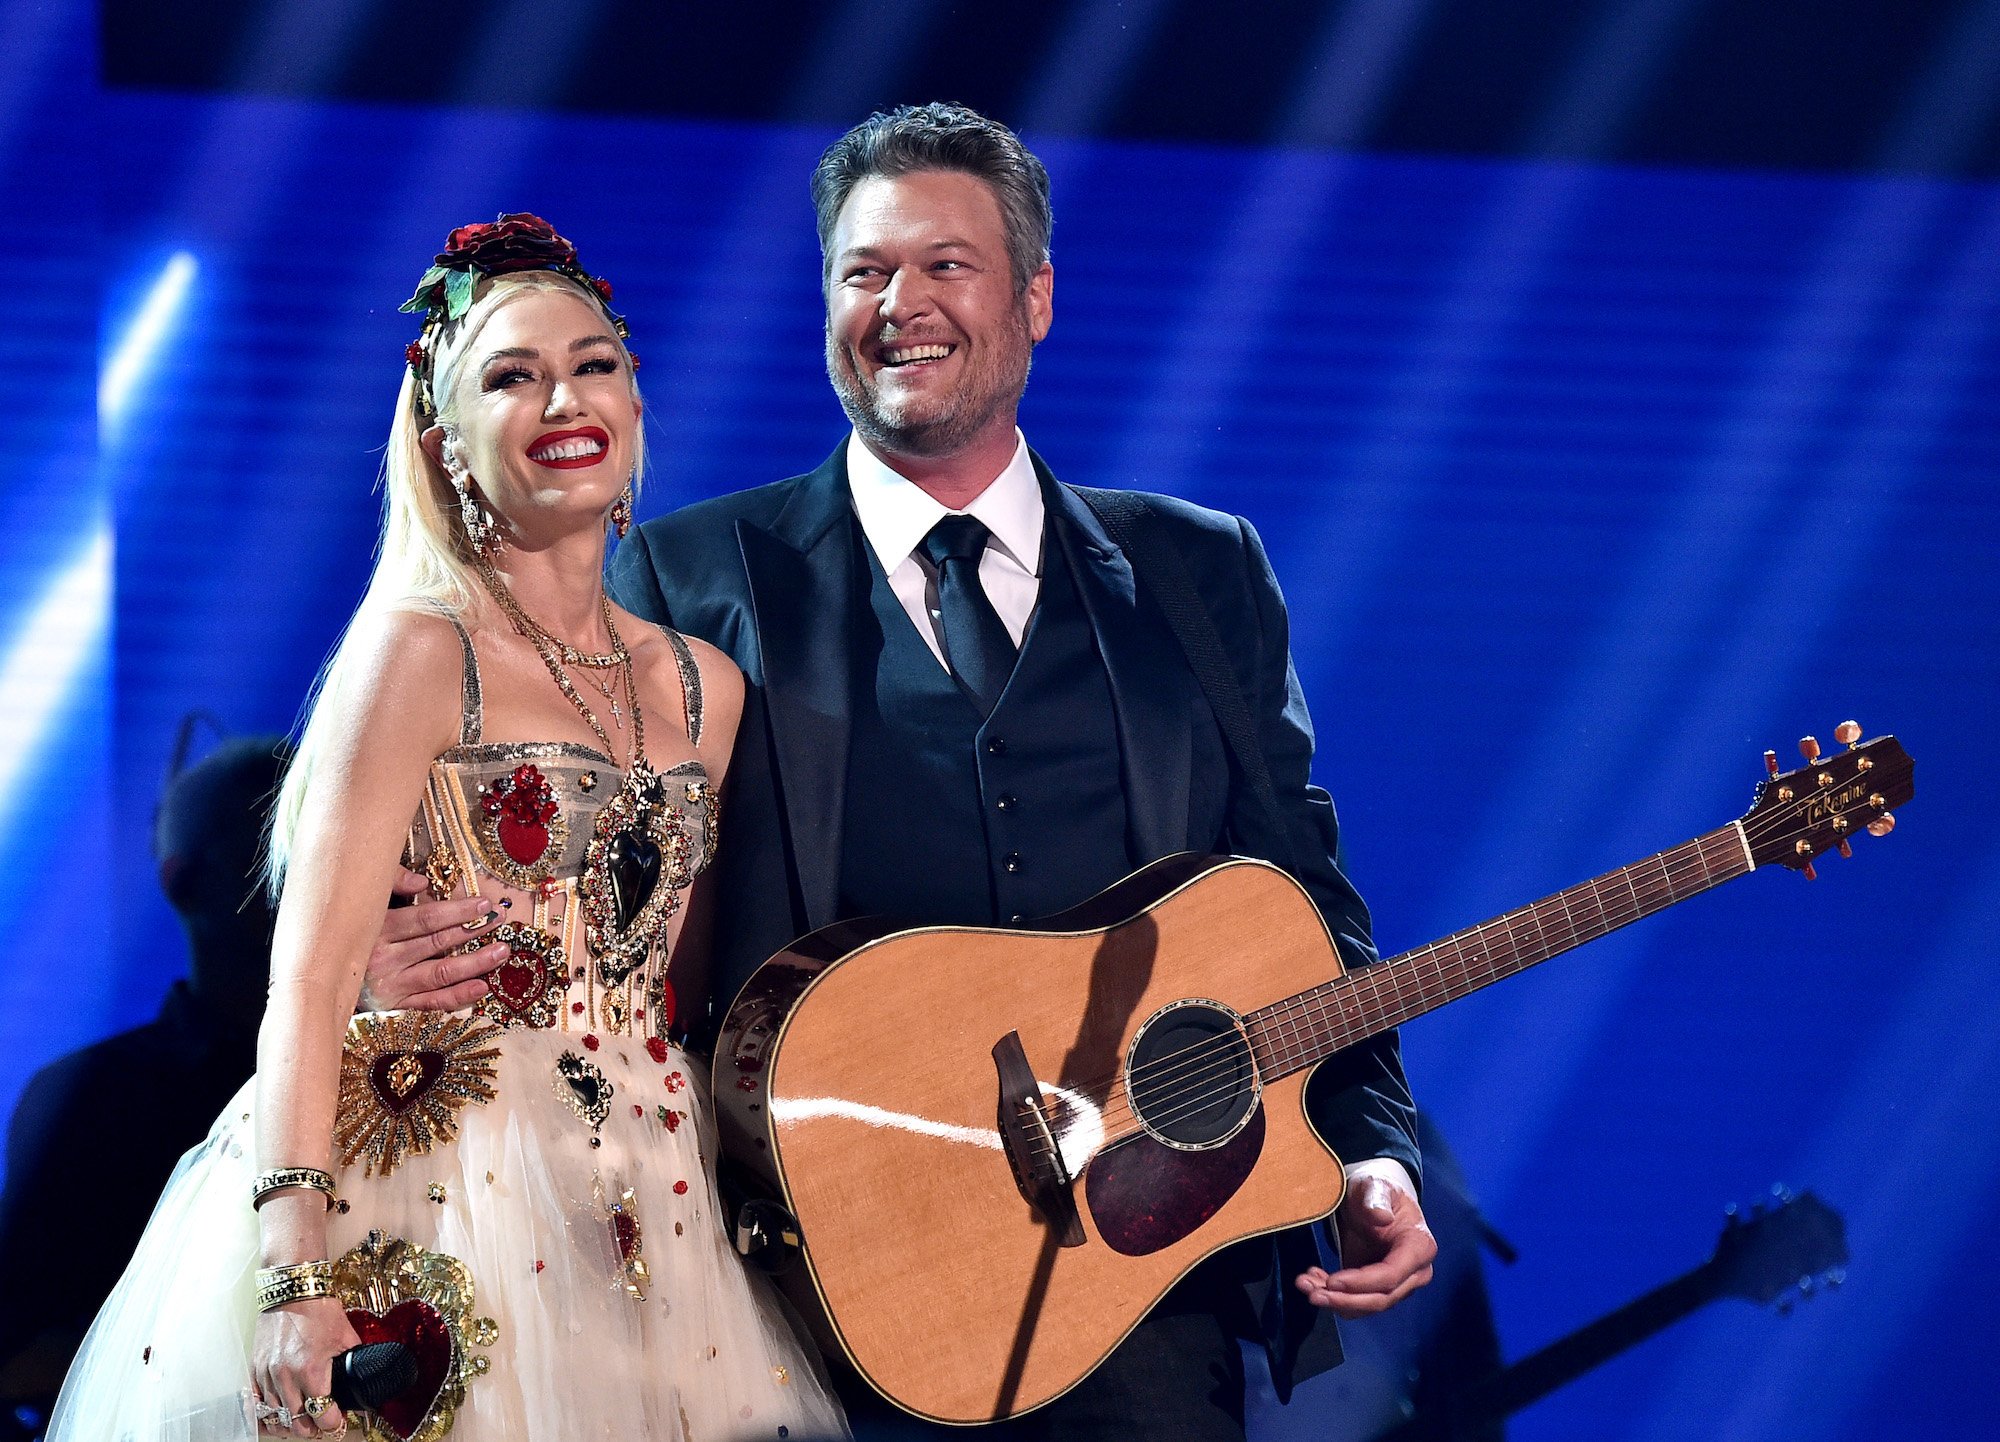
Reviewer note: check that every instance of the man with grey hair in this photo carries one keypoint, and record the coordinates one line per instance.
(968, 705)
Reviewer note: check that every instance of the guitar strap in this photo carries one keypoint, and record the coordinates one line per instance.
(1158, 565)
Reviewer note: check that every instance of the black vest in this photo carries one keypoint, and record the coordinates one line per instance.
(954, 820)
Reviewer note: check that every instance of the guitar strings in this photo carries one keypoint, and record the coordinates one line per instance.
(1374, 979)
(1176, 1103)
(1199, 1062)
(1196, 1065)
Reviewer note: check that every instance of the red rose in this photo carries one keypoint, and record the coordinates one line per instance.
(414, 354)
(511, 243)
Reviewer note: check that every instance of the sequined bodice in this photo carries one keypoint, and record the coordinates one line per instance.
(594, 868)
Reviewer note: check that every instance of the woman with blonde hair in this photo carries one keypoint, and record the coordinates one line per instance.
(519, 1194)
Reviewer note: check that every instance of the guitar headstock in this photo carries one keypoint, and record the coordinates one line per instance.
(1781, 1248)
(1826, 802)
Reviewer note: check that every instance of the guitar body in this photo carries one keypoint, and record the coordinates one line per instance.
(857, 1072)
(1003, 1147)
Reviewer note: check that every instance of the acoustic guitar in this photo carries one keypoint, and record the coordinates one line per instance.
(1072, 1115)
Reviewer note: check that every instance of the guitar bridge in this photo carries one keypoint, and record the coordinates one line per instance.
(1032, 1151)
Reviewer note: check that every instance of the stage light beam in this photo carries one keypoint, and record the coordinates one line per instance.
(142, 339)
(56, 643)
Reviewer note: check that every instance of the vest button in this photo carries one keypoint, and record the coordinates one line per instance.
(996, 747)
(1011, 862)
(1005, 803)
(1016, 919)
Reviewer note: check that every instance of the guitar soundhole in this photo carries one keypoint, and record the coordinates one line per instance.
(1190, 1077)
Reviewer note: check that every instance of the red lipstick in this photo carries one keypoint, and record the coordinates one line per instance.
(555, 439)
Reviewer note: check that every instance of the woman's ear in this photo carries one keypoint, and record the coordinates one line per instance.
(437, 448)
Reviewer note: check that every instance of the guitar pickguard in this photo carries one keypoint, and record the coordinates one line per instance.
(1145, 1195)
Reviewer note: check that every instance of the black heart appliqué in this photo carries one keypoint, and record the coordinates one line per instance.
(634, 863)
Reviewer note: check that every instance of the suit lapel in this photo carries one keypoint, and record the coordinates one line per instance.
(801, 573)
(1148, 691)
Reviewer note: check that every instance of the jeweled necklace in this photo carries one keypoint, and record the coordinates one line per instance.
(639, 859)
(557, 655)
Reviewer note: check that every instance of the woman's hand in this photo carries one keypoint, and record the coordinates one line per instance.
(293, 1360)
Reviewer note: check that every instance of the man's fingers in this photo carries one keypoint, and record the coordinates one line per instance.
(430, 920)
(447, 972)
(452, 998)
(450, 932)
(408, 882)
(1412, 1253)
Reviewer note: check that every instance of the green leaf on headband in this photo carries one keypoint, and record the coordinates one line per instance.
(457, 293)
(422, 299)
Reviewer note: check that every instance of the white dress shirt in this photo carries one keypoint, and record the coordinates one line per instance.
(896, 515)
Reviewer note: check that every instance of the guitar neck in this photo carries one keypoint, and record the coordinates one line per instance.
(1303, 1030)
(1564, 1360)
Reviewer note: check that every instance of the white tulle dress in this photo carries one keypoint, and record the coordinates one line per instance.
(527, 1189)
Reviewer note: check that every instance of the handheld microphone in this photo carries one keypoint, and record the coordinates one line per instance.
(371, 1374)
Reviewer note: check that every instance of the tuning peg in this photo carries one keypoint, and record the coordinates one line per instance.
(1808, 873)
(1809, 748)
(1845, 849)
(1848, 734)
(1771, 762)
(1882, 826)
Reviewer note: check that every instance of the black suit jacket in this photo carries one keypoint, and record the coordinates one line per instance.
(769, 576)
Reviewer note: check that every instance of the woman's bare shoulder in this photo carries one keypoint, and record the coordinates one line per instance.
(409, 666)
(660, 684)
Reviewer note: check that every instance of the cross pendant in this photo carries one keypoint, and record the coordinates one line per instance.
(617, 716)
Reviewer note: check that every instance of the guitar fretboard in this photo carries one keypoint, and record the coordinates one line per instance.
(1301, 1031)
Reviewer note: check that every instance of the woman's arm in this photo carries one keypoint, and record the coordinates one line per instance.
(395, 709)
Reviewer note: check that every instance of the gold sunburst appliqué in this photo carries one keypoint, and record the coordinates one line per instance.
(404, 1078)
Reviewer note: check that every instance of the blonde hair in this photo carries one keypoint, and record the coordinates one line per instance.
(424, 561)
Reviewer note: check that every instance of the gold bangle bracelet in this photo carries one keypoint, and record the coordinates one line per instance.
(294, 1289)
(280, 1179)
(270, 1276)
(298, 1282)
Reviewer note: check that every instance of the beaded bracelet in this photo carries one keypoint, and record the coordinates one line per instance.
(301, 1282)
(284, 1178)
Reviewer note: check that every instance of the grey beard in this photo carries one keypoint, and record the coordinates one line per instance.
(939, 437)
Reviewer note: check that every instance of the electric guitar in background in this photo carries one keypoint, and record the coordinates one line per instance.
(999, 1148)
(1783, 1251)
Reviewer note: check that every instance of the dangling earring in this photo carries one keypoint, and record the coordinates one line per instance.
(480, 531)
(621, 512)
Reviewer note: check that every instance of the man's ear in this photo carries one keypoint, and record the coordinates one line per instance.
(1041, 302)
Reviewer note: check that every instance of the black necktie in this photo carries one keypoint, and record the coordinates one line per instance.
(977, 647)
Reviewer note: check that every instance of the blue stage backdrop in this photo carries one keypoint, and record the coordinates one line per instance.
(1586, 485)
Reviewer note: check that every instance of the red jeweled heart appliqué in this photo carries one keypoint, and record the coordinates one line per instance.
(417, 1325)
(521, 807)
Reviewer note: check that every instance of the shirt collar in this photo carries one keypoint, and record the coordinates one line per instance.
(896, 515)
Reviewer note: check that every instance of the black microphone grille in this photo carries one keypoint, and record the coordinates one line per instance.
(370, 1375)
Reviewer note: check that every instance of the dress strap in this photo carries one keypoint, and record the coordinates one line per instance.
(690, 681)
(469, 706)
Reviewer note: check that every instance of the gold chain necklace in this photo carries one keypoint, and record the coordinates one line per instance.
(555, 653)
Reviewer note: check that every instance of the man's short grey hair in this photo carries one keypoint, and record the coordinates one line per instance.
(941, 136)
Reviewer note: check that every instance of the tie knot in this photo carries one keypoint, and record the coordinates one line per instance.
(956, 538)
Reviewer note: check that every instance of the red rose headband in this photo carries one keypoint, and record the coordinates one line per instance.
(502, 247)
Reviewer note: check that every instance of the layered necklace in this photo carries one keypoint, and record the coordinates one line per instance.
(640, 858)
(558, 655)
